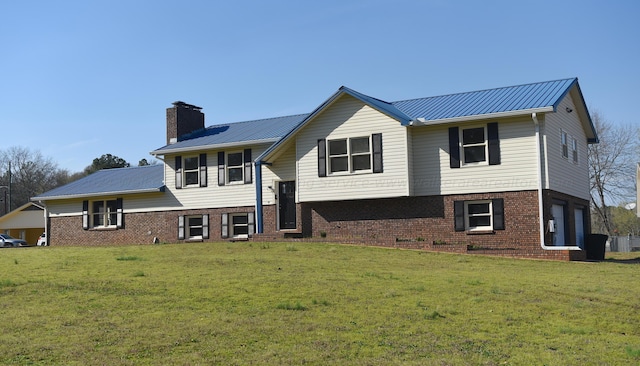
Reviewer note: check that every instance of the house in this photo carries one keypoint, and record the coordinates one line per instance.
(500, 171)
(25, 222)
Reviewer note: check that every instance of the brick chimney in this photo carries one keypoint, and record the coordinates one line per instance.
(182, 119)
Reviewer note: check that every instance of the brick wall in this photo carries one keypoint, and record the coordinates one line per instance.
(428, 223)
(139, 228)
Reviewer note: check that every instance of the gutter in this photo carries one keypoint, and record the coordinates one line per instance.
(95, 194)
(164, 151)
(425, 122)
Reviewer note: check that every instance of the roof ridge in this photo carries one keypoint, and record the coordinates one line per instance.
(484, 90)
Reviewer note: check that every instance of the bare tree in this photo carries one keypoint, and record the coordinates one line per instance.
(31, 174)
(611, 168)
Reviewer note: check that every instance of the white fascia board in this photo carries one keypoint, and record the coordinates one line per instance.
(212, 147)
(98, 194)
(522, 112)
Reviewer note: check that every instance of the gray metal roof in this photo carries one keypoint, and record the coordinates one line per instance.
(142, 179)
(265, 130)
(543, 95)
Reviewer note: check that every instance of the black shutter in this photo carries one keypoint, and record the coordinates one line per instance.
(376, 141)
(203, 170)
(205, 226)
(498, 213)
(322, 158)
(247, 166)
(454, 148)
(494, 143)
(221, 175)
(119, 214)
(180, 227)
(178, 172)
(224, 230)
(85, 215)
(458, 214)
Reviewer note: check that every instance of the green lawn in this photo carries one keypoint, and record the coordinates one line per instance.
(305, 303)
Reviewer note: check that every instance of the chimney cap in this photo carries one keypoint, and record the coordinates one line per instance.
(186, 105)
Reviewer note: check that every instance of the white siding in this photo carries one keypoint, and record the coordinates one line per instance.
(282, 169)
(516, 171)
(346, 118)
(563, 174)
(212, 196)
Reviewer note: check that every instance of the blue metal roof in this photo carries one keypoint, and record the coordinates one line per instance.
(491, 101)
(534, 97)
(111, 181)
(268, 130)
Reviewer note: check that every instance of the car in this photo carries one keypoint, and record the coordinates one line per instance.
(7, 241)
(42, 240)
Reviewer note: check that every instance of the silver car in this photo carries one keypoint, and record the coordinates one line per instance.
(7, 241)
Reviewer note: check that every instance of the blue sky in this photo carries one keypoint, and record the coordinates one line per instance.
(79, 79)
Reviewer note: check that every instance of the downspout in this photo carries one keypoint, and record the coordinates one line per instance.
(259, 229)
(534, 117)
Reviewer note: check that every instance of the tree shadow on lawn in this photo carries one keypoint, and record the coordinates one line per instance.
(623, 261)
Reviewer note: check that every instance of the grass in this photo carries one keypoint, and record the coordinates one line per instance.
(248, 303)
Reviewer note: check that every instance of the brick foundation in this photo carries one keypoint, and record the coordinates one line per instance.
(425, 223)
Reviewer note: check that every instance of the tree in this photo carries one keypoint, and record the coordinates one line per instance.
(611, 168)
(145, 162)
(31, 174)
(106, 161)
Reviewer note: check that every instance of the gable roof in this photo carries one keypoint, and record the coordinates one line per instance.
(144, 179)
(267, 130)
(541, 97)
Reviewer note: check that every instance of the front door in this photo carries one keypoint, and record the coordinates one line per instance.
(557, 211)
(287, 205)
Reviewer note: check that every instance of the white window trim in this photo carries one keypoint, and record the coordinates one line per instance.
(106, 213)
(349, 155)
(467, 215)
(564, 143)
(232, 226)
(188, 227)
(196, 170)
(574, 150)
(485, 144)
(227, 167)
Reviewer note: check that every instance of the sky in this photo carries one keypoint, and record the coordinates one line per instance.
(79, 79)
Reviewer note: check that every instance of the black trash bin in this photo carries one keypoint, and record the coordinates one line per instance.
(595, 246)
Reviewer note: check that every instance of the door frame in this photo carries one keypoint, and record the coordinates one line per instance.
(278, 185)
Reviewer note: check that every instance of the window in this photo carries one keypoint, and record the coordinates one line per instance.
(193, 227)
(191, 171)
(480, 215)
(474, 146)
(564, 142)
(235, 167)
(350, 155)
(102, 214)
(574, 149)
(238, 225)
